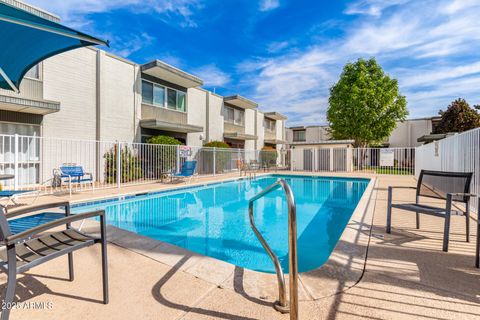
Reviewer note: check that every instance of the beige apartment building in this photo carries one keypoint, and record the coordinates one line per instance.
(406, 134)
(92, 94)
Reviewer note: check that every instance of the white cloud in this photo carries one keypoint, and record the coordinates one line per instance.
(74, 12)
(440, 44)
(124, 46)
(372, 7)
(277, 46)
(267, 5)
(212, 76)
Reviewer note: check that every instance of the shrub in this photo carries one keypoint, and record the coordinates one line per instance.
(221, 157)
(268, 155)
(216, 144)
(130, 165)
(162, 159)
(164, 140)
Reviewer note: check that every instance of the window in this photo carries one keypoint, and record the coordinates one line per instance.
(171, 99)
(239, 115)
(163, 97)
(299, 135)
(181, 101)
(229, 114)
(235, 116)
(158, 96)
(269, 124)
(33, 73)
(147, 92)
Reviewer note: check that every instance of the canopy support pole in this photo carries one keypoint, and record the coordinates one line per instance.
(10, 83)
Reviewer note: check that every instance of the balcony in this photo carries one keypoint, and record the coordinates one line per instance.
(236, 132)
(270, 135)
(164, 119)
(29, 100)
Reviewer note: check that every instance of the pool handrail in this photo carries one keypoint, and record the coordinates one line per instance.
(282, 304)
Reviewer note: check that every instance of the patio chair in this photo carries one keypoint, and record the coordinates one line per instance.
(254, 165)
(449, 186)
(187, 171)
(32, 247)
(271, 164)
(74, 174)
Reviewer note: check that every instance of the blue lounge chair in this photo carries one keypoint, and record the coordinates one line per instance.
(187, 171)
(75, 174)
(11, 195)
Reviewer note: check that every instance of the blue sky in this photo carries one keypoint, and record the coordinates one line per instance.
(285, 54)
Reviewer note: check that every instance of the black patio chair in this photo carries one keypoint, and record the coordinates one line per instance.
(32, 247)
(449, 186)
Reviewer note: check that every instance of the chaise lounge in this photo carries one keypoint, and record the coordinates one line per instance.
(187, 171)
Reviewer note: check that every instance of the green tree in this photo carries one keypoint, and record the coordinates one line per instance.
(365, 104)
(458, 117)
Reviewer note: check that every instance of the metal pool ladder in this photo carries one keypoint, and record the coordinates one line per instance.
(282, 305)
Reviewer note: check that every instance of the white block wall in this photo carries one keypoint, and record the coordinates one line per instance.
(260, 131)
(196, 115)
(216, 120)
(70, 78)
(250, 128)
(117, 99)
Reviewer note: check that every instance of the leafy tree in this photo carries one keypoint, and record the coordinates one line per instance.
(365, 104)
(164, 140)
(458, 117)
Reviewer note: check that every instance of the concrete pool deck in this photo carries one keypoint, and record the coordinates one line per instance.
(406, 276)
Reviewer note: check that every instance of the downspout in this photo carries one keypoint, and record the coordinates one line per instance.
(98, 106)
(98, 101)
(256, 130)
(207, 126)
(136, 91)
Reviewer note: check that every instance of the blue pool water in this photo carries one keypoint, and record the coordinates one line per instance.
(213, 219)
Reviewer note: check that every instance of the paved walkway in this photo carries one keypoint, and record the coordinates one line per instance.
(407, 276)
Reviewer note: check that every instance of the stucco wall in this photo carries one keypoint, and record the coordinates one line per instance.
(406, 133)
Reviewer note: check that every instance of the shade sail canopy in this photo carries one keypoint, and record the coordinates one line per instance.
(26, 39)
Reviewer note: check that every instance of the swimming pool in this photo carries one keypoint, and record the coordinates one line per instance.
(213, 219)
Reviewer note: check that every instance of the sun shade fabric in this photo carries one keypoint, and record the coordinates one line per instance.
(27, 39)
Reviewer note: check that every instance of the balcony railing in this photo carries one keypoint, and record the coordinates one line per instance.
(152, 112)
